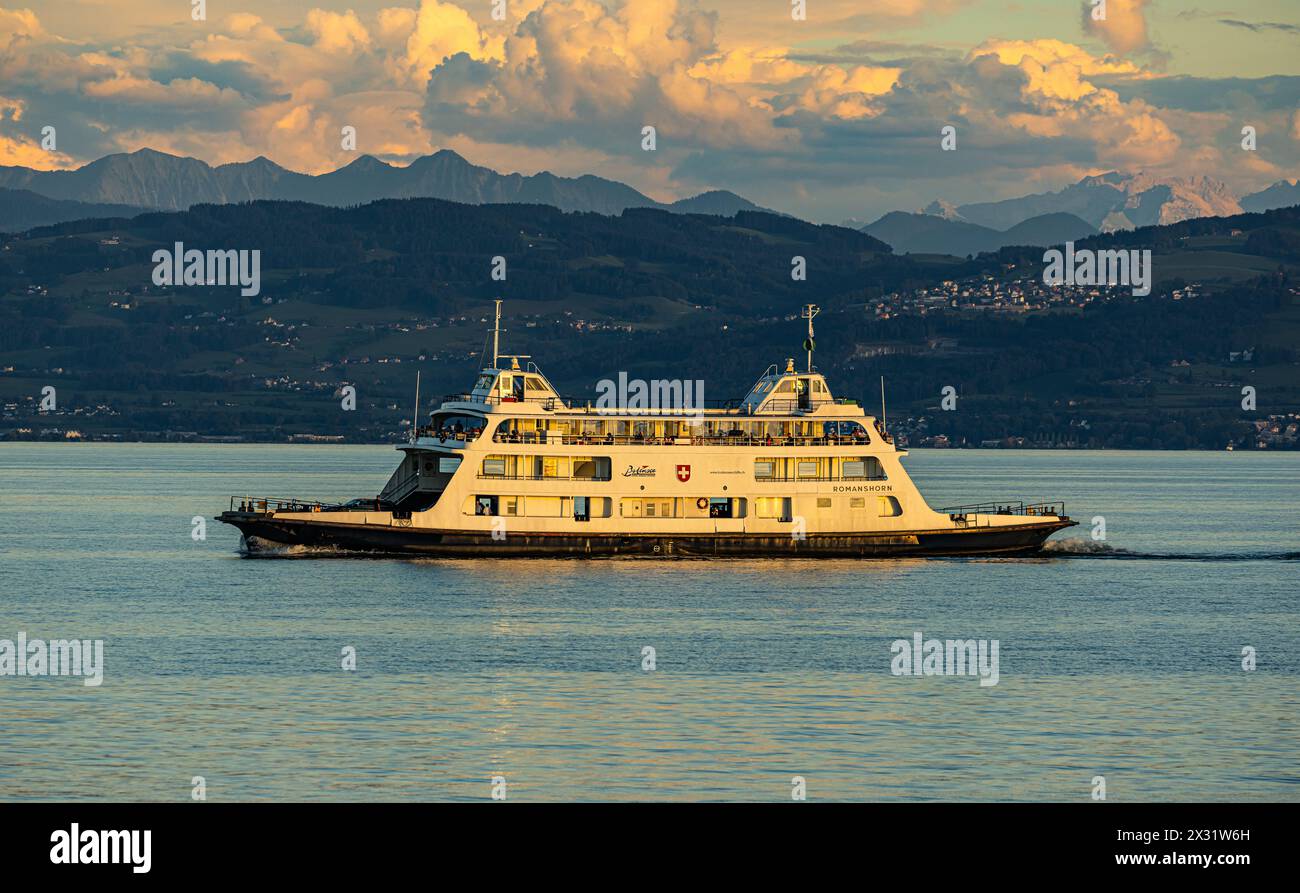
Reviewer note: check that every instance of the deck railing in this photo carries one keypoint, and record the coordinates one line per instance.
(963, 513)
(821, 478)
(531, 437)
(542, 477)
(268, 504)
(731, 406)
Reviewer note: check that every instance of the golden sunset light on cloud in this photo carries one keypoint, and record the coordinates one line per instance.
(838, 103)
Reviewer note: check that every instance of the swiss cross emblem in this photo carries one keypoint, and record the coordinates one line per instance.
(683, 473)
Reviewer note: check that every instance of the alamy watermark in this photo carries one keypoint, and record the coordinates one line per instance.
(1087, 266)
(179, 266)
(90, 847)
(636, 396)
(57, 657)
(951, 657)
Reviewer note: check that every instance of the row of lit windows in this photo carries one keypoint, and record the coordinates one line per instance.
(587, 468)
(583, 508)
(819, 468)
(650, 426)
(598, 468)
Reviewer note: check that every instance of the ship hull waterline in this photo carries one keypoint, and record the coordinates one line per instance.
(261, 532)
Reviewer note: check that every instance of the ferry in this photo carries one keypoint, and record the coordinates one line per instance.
(513, 469)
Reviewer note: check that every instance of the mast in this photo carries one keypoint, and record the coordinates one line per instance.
(882, 404)
(809, 311)
(496, 336)
(415, 427)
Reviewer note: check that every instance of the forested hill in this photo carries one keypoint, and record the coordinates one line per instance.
(367, 295)
(429, 254)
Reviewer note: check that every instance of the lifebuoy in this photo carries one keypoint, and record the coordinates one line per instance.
(702, 503)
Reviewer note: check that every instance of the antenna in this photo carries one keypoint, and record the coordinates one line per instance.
(415, 427)
(809, 311)
(496, 336)
(882, 404)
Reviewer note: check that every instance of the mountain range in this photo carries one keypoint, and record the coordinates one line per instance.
(1282, 194)
(928, 233)
(1102, 203)
(150, 180)
(1114, 201)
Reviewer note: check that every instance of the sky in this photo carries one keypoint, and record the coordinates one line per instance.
(834, 116)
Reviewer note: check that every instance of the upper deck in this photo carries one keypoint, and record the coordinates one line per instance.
(783, 407)
(519, 391)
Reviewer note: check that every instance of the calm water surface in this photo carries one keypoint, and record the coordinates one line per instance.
(1123, 662)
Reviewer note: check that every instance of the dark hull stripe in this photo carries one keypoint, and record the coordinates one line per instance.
(1017, 539)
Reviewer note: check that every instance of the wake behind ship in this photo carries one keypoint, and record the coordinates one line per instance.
(512, 469)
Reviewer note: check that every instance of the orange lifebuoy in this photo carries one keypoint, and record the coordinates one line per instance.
(702, 503)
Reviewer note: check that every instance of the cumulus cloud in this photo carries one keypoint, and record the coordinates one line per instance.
(19, 23)
(19, 148)
(443, 30)
(577, 68)
(338, 33)
(1124, 27)
(798, 116)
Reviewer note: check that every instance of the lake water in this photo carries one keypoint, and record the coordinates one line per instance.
(1120, 658)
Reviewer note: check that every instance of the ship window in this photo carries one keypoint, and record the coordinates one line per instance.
(591, 468)
(496, 467)
(823, 502)
(773, 507)
(552, 466)
(889, 507)
(857, 502)
(764, 469)
(581, 508)
(535, 383)
(786, 387)
(848, 430)
(448, 464)
(807, 469)
(854, 468)
(452, 426)
(545, 506)
(512, 505)
(720, 508)
(485, 505)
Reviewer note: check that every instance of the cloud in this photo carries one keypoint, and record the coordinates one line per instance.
(20, 148)
(823, 117)
(1258, 27)
(443, 30)
(575, 69)
(338, 33)
(1124, 27)
(20, 23)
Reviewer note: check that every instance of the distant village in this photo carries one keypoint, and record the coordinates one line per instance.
(990, 293)
(1273, 432)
